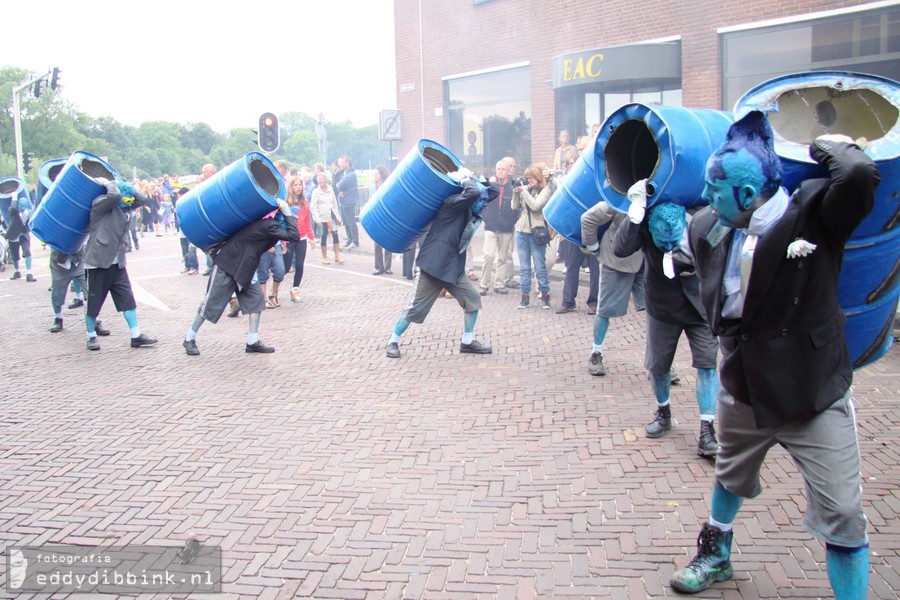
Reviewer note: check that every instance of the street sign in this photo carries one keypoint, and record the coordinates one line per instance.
(390, 125)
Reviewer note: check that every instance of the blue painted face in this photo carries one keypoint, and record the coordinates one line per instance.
(733, 181)
(667, 223)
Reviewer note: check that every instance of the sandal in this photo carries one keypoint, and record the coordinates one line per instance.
(275, 301)
(270, 302)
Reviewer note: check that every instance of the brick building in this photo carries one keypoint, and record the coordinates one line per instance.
(490, 78)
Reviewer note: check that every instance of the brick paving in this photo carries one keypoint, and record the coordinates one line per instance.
(326, 470)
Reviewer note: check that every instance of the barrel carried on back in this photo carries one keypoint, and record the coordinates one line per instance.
(47, 174)
(399, 213)
(63, 218)
(801, 107)
(241, 193)
(12, 189)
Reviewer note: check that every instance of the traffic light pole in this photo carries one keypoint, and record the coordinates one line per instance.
(17, 123)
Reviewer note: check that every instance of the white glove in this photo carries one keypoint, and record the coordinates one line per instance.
(102, 181)
(594, 249)
(283, 207)
(637, 195)
(458, 176)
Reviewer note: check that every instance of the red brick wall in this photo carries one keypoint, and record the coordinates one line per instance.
(460, 36)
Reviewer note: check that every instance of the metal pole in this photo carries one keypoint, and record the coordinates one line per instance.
(17, 134)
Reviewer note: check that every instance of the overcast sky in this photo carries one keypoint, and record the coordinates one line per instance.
(222, 63)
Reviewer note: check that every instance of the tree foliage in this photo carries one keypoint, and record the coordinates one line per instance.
(53, 128)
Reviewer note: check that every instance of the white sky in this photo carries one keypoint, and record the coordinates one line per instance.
(195, 61)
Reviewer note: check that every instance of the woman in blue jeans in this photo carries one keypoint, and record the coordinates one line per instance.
(531, 199)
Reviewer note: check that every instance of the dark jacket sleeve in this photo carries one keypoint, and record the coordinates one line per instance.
(851, 192)
(462, 201)
(628, 239)
(104, 203)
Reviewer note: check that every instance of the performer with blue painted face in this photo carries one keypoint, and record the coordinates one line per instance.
(18, 234)
(104, 260)
(672, 296)
(442, 262)
(768, 265)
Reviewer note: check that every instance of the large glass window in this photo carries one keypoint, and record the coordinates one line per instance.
(489, 117)
(865, 42)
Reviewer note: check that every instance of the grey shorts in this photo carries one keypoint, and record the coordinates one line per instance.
(60, 279)
(219, 291)
(426, 289)
(615, 288)
(662, 341)
(825, 451)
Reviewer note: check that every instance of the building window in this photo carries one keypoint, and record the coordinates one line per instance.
(489, 117)
(864, 42)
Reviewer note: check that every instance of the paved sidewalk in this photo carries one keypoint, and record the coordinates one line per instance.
(326, 470)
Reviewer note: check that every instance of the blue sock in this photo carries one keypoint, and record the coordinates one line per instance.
(724, 507)
(28, 264)
(469, 327)
(601, 324)
(90, 324)
(399, 329)
(660, 385)
(131, 319)
(848, 571)
(707, 391)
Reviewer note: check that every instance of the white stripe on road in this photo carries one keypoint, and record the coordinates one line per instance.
(144, 297)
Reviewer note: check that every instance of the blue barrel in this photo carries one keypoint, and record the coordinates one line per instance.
(241, 193)
(668, 145)
(47, 174)
(63, 218)
(800, 108)
(403, 207)
(577, 193)
(11, 189)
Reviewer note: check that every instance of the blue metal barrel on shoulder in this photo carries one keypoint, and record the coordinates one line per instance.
(12, 189)
(399, 213)
(800, 108)
(667, 145)
(63, 218)
(243, 192)
(47, 174)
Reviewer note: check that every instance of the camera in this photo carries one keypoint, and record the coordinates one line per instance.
(521, 181)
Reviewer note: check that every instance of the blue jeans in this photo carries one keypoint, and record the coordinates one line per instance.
(529, 251)
(271, 261)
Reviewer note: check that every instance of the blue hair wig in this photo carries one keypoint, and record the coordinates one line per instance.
(667, 222)
(749, 138)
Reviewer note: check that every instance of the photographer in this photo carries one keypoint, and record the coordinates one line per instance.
(531, 193)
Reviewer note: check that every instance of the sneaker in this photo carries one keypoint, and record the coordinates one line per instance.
(392, 350)
(545, 301)
(259, 347)
(388, 272)
(57, 326)
(352, 246)
(591, 309)
(30, 278)
(233, 308)
(93, 344)
(377, 272)
(474, 347)
(142, 340)
(661, 423)
(483, 292)
(76, 303)
(563, 309)
(101, 330)
(511, 285)
(595, 364)
(16, 275)
(500, 290)
(190, 346)
(206, 273)
(295, 295)
(707, 444)
(712, 562)
(523, 303)
(674, 379)
(325, 260)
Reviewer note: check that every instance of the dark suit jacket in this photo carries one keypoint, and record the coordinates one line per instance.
(439, 254)
(107, 241)
(239, 255)
(675, 300)
(786, 356)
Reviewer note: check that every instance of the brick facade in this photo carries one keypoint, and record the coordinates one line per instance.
(461, 36)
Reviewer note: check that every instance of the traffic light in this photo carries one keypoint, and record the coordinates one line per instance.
(37, 88)
(26, 161)
(54, 78)
(269, 136)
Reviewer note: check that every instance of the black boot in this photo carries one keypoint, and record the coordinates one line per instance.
(57, 325)
(707, 445)
(661, 423)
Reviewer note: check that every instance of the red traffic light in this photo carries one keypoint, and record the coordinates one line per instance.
(269, 135)
(268, 121)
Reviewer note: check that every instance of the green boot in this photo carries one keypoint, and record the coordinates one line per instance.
(711, 564)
